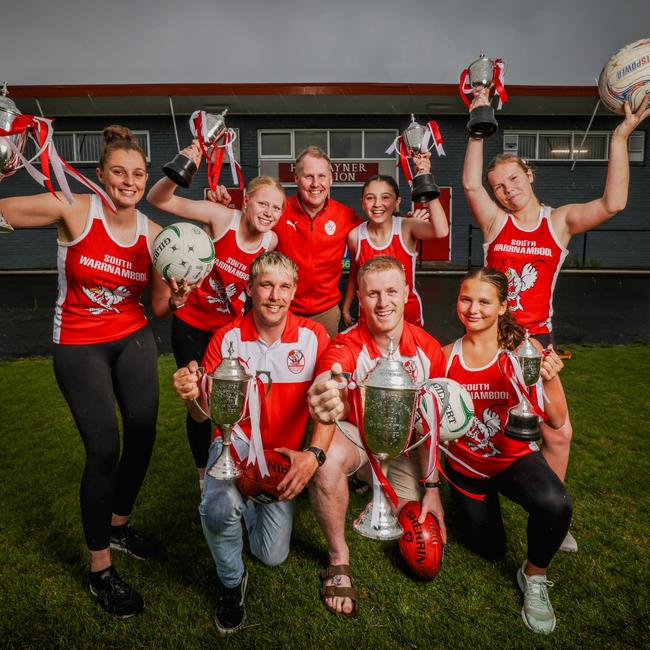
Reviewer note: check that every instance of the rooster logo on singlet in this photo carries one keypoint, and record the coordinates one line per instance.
(481, 434)
(520, 282)
(105, 298)
(222, 295)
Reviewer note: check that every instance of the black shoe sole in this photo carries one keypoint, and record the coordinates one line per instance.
(225, 631)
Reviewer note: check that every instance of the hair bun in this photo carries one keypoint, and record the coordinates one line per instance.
(116, 132)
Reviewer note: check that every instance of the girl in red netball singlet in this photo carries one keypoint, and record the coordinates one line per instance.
(386, 233)
(528, 240)
(486, 462)
(104, 349)
(238, 237)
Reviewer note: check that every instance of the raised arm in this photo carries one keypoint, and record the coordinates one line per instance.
(163, 196)
(484, 209)
(579, 217)
(436, 226)
(45, 209)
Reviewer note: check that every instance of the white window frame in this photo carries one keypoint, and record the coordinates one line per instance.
(291, 132)
(636, 145)
(292, 157)
(76, 134)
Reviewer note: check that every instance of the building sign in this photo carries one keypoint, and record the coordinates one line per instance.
(350, 171)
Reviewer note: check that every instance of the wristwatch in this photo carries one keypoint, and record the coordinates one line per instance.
(321, 457)
(432, 484)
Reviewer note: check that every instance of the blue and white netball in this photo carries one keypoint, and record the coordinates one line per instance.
(626, 77)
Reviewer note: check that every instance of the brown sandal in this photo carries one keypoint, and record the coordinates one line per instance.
(336, 591)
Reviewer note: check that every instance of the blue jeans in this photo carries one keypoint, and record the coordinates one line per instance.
(222, 508)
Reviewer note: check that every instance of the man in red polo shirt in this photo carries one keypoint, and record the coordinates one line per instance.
(313, 232)
(272, 339)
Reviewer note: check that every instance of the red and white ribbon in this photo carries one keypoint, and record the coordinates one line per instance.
(533, 394)
(399, 146)
(431, 423)
(379, 480)
(214, 151)
(255, 409)
(40, 131)
(465, 88)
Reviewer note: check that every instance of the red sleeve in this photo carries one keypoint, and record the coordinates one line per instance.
(336, 352)
(212, 356)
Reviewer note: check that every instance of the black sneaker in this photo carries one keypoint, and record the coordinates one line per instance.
(115, 595)
(231, 611)
(128, 539)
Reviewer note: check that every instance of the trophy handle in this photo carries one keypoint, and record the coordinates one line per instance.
(267, 374)
(232, 136)
(201, 371)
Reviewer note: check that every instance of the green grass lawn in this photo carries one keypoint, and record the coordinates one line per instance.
(600, 594)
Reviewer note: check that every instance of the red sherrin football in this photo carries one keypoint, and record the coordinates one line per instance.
(421, 544)
(264, 489)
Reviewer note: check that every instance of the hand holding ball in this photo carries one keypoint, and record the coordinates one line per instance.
(183, 251)
(421, 544)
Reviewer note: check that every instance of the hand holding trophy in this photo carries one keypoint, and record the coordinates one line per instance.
(214, 138)
(411, 144)
(483, 78)
(15, 130)
(385, 427)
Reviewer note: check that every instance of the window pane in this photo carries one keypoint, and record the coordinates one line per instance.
(593, 148)
(526, 146)
(276, 144)
(142, 140)
(304, 139)
(64, 143)
(554, 146)
(88, 146)
(376, 143)
(345, 144)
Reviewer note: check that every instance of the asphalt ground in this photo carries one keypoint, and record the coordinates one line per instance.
(590, 308)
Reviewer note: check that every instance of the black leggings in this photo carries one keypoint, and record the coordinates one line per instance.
(531, 483)
(91, 378)
(189, 344)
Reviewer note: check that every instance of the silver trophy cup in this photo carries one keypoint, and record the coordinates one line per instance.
(424, 186)
(482, 122)
(389, 407)
(181, 169)
(523, 422)
(9, 160)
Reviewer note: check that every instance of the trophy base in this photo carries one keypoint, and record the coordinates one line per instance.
(225, 468)
(523, 427)
(387, 529)
(482, 123)
(181, 170)
(424, 189)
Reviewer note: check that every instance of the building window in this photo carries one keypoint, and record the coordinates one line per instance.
(568, 145)
(339, 144)
(86, 146)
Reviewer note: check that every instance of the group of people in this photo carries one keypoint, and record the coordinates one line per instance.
(273, 298)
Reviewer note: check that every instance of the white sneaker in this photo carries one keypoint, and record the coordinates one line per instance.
(537, 611)
(569, 544)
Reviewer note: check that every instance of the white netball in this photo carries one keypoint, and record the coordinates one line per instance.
(626, 77)
(183, 251)
(457, 418)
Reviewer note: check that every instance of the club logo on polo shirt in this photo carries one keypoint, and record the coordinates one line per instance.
(296, 361)
(411, 368)
(330, 227)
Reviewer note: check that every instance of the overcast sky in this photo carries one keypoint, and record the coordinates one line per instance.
(546, 42)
